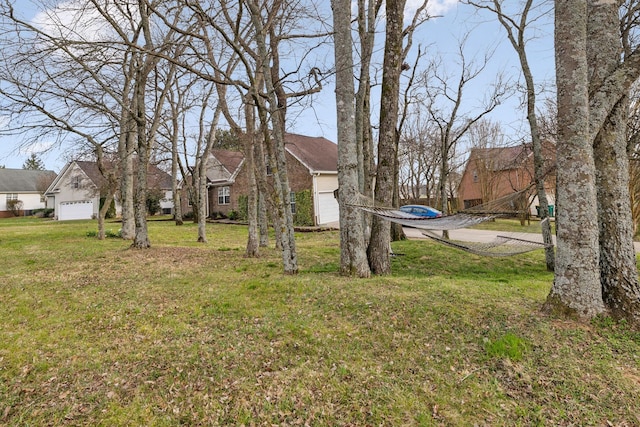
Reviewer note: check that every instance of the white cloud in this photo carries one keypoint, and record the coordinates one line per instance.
(440, 7)
(78, 20)
(36, 148)
(434, 7)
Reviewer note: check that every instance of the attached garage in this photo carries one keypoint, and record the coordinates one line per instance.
(75, 210)
(328, 210)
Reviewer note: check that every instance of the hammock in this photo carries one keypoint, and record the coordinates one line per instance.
(450, 222)
(501, 246)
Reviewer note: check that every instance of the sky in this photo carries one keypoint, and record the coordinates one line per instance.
(441, 35)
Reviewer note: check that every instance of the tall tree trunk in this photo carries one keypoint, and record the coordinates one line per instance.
(253, 247)
(397, 232)
(125, 152)
(283, 211)
(379, 246)
(353, 258)
(263, 219)
(102, 213)
(444, 176)
(265, 198)
(201, 197)
(111, 180)
(576, 288)
(539, 164)
(618, 271)
(367, 18)
(277, 151)
(202, 174)
(141, 239)
(175, 188)
(263, 193)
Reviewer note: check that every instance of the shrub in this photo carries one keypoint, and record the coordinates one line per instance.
(153, 201)
(42, 213)
(15, 207)
(243, 207)
(304, 208)
(107, 233)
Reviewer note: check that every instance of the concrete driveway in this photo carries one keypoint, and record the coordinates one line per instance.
(471, 235)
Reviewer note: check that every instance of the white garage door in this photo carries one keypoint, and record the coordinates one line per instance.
(328, 210)
(75, 210)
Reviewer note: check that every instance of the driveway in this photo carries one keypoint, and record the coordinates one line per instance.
(471, 235)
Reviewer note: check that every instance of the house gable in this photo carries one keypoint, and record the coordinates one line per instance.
(491, 173)
(224, 166)
(73, 179)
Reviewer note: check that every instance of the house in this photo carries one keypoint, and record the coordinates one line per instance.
(25, 185)
(77, 190)
(491, 173)
(312, 164)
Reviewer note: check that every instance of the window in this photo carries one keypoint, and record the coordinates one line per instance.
(224, 195)
(75, 182)
(475, 176)
(12, 196)
(292, 202)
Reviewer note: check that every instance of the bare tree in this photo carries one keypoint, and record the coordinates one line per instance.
(583, 112)
(366, 19)
(111, 51)
(577, 285)
(443, 99)
(618, 271)
(57, 92)
(256, 31)
(419, 159)
(205, 141)
(379, 251)
(253, 241)
(516, 27)
(353, 259)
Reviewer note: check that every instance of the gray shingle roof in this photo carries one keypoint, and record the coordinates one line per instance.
(156, 177)
(24, 180)
(317, 153)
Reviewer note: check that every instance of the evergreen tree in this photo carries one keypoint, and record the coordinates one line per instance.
(33, 163)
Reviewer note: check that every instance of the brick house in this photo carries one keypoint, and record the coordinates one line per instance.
(313, 177)
(491, 173)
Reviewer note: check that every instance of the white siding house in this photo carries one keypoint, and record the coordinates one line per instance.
(24, 185)
(76, 192)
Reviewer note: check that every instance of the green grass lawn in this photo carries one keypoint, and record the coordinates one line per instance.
(95, 333)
